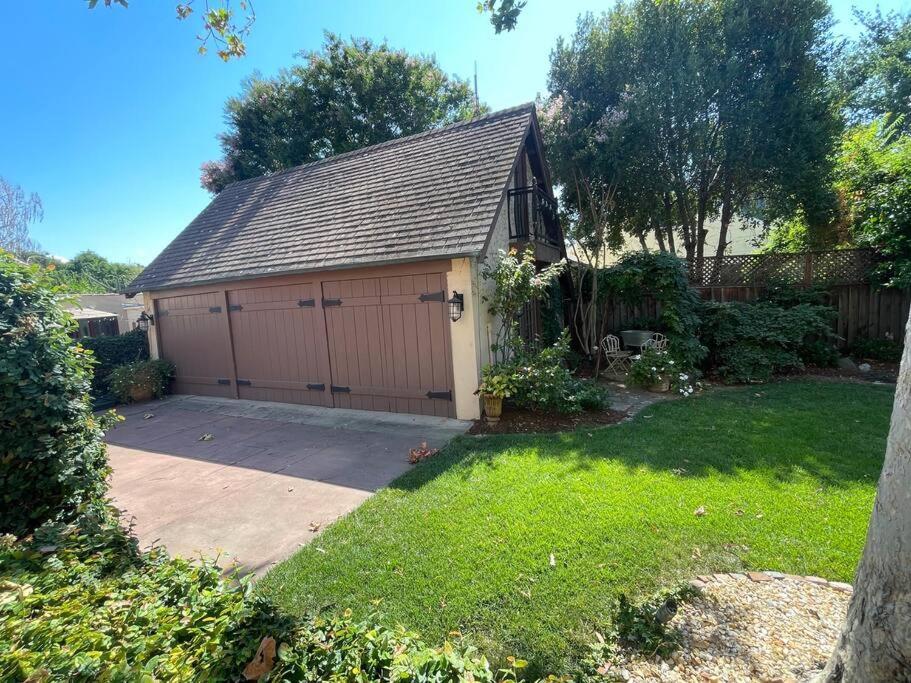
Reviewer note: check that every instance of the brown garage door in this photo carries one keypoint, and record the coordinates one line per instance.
(389, 343)
(279, 344)
(193, 336)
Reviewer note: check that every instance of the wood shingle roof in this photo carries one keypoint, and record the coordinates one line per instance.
(431, 195)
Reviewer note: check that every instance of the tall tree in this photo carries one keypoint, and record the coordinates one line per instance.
(875, 643)
(694, 108)
(17, 212)
(348, 95)
(875, 73)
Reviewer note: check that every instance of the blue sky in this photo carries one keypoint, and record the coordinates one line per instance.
(107, 114)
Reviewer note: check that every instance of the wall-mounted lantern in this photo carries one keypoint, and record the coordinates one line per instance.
(456, 306)
(144, 320)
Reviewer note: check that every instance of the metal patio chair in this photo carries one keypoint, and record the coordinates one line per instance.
(617, 360)
(658, 342)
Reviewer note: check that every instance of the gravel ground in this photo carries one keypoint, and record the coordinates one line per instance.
(763, 627)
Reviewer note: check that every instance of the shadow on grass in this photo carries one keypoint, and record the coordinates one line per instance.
(833, 432)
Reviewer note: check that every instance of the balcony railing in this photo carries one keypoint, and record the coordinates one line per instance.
(533, 215)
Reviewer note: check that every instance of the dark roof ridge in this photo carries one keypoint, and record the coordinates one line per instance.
(530, 106)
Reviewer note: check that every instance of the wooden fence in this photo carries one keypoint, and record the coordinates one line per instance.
(864, 311)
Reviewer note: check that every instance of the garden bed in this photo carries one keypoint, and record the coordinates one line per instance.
(518, 421)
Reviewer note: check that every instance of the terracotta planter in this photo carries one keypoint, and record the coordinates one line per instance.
(662, 387)
(493, 408)
(138, 393)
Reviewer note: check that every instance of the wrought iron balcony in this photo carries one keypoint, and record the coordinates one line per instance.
(533, 215)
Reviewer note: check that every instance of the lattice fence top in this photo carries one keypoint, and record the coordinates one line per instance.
(845, 266)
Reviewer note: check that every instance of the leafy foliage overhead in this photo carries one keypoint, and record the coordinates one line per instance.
(220, 25)
(503, 13)
(346, 96)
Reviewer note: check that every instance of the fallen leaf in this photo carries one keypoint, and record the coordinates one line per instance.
(738, 512)
(206, 437)
(148, 416)
(290, 489)
(553, 560)
(759, 515)
(696, 553)
(314, 527)
(700, 511)
(262, 661)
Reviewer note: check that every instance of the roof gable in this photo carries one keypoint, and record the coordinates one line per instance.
(429, 195)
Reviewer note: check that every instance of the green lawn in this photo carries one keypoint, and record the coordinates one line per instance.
(786, 472)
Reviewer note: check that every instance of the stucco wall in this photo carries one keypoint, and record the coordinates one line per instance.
(149, 307)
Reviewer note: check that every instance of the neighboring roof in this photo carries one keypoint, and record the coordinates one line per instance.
(430, 195)
(89, 313)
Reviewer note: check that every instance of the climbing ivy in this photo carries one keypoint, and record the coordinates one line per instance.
(663, 277)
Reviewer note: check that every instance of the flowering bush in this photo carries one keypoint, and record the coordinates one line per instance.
(540, 380)
(653, 367)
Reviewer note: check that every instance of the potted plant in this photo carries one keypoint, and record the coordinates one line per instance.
(141, 381)
(496, 384)
(653, 370)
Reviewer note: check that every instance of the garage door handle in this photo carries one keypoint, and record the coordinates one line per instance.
(447, 395)
(306, 303)
(244, 382)
(316, 387)
(331, 302)
(339, 390)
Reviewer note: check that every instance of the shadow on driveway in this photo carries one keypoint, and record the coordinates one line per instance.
(267, 480)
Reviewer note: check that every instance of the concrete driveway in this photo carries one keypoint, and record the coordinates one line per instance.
(269, 471)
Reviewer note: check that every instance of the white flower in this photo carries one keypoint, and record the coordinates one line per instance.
(654, 369)
(671, 362)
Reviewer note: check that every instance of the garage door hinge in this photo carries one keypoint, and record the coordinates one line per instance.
(235, 307)
(221, 380)
(434, 296)
(244, 382)
(447, 395)
(316, 387)
(339, 390)
(331, 302)
(214, 309)
(306, 303)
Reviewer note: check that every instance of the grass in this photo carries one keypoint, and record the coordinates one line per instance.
(786, 472)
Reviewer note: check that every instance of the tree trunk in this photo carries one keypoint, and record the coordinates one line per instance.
(875, 643)
(659, 236)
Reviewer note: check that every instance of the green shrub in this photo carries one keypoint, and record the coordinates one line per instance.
(79, 603)
(887, 350)
(591, 395)
(749, 342)
(642, 627)
(111, 352)
(148, 376)
(52, 454)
